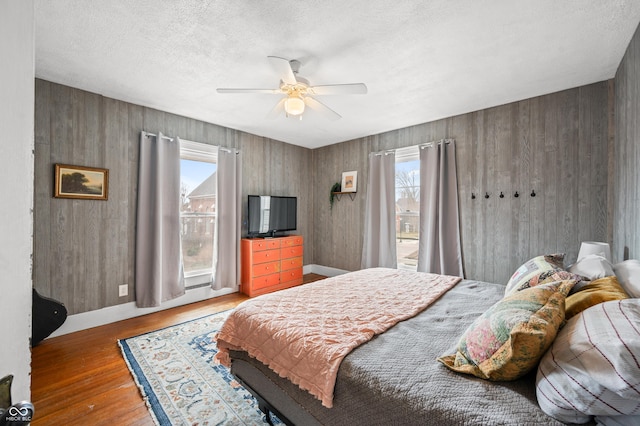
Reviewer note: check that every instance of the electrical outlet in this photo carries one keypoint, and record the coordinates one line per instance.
(123, 290)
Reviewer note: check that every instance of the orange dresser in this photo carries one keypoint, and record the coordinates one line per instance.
(270, 264)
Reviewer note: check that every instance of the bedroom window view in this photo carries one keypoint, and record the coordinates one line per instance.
(197, 216)
(407, 210)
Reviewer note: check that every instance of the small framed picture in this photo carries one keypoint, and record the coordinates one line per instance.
(88, 183)
(349, 181)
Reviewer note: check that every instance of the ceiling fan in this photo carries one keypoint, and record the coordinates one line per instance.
(298, 93)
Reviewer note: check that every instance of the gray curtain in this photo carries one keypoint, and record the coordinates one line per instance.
(228, 220)
(159, 272)
(439, 248)
(379, 248)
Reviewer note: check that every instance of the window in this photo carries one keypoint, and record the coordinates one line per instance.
(198, 199)
(407, 207)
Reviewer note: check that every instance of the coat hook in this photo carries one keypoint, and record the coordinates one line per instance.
(516, 194)
(486, 195)
(533, 193)
(501, 194)
(473, 196)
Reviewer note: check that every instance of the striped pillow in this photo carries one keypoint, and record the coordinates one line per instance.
(593, 366)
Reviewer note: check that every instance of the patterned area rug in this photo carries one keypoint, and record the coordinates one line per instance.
(179, 381)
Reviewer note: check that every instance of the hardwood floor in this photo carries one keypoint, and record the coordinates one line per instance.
(81, 378)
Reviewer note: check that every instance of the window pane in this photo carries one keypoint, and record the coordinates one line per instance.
(407, 213)
(198, 213)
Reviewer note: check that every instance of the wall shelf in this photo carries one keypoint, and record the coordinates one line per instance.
(339, 195)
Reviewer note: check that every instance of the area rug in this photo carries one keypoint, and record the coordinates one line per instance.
(181, 384)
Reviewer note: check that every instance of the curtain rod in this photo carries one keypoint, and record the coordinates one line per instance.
(432, 144)
(387, 152)
(153, 134)
(229, 150)
(420, 146)
(220, 148)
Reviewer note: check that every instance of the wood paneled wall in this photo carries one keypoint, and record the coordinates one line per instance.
(626, 225)
(84, 249)
(556, 145)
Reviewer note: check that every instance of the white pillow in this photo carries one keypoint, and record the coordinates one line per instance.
(628, 273)
(592, 267)
(618, 420)
(592, 367)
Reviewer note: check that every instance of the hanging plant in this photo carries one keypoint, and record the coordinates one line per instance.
(332, 193)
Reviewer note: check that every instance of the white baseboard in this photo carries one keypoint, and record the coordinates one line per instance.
(323, 270)
(124, 311)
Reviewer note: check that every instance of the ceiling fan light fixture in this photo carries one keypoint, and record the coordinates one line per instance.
(294, 105)
(298, 93)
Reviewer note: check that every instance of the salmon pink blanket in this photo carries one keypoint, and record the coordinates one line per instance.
(303, 333)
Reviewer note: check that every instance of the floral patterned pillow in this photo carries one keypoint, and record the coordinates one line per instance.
(508, 340)
(539, 270)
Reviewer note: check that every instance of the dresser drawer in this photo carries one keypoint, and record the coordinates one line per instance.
(265, 281)
(288, 252)
(294, 262)
(266, 256)
(265, 244)
(291, 275)
(295, 240)
(265, 268)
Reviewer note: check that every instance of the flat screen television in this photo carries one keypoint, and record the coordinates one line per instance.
(269, 215)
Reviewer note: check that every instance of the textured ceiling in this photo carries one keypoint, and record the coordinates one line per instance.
(421, 60)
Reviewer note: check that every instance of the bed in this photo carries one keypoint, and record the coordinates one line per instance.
(395, 378)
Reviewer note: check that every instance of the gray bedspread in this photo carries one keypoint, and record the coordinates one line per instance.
(395, 379)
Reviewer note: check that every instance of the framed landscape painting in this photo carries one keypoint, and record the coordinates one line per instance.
(88, 183)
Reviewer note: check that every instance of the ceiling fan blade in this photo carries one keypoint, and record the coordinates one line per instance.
(277, 110)
(321, 108)
(283, 66)
(339, 89)
(232, 90)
